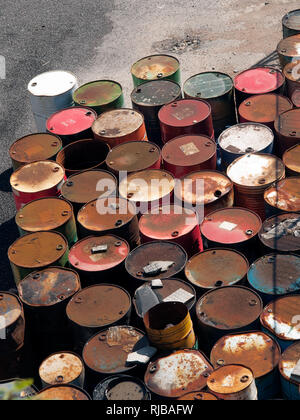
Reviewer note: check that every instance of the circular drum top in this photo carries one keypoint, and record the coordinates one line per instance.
(288, 123)
(63, 393)
(37, 176)
(264, 108)
(97, 93)
(155, 67)
(292, 20)
(230, 379)
(10, 309)
(232, 225)
(48, 287)
(253, 349)
(288, 362)
(256, 170)
(208, 85)
(216, 267)
(198, 396)
(99, 306)
(284, 195)
(118, 123)
(292, 71)
(184, 112)
(155, 93)
(189, 150)
(35, 147)
(133, 156)
(44, 214)
(246, 138)
(296, 98)
(259, 80)
(61, 368)
(275, 274)
(71, 121)
(290, 47)
(84, 255)
(52, 83)
(38, 249)
(291, 158)
(229, 308)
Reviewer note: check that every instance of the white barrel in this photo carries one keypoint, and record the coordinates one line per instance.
(50, 92)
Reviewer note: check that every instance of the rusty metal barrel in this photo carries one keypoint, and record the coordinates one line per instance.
(215, 268)
(280, 319)
(72, 124)
(45, 214)
(36, 180)
(121, 388)
(148, 98)
(62, 368)
(287, 127)
(291, 23)
(256, 350)
(198, 396)
(186, 154)
(113, 215)
(82, 155)
(283, 197)
(225, 310)
(36, 251)
(63, 393)
(133, 156)
(34, 147)
(186, 116)
(292, 76)
(275, 275)
(291, 159)
(100, 95)
(289, 372)
(252, 174)
(233, 383)
(288, 50)
(155, 67)
(296, 98)
(99, 258)
(120, 126)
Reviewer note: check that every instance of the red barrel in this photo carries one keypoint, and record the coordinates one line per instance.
(186, 154)
(72, 124)
(172, 223)
(186, 116)
(36, 180)
(287, 127)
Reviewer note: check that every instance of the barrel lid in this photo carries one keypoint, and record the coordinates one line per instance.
(71, 121)
(289, 359)
(208, 85)
(189, 150)
(99, 305)
(155, 67)
(296, 98)
(256, 170)
(52, 83)
(284, 195)
(292, 71)
(290, 47)
(246, 138)
(148, 185)
(35, 147)
(10, 309)
(107, 351)
(254, 349)
(279, 318)
(231, 225)
(44, 214)
(275, 274)
(216, 185)
(229, 308)
(63, 393)
(292, 19)
(175, 375)
(133, 156)
(61, 368)
(118, 123)
(216, 267)
(230, 379)
(37, 176)
(291, 158)
(198, 396)
(97, 93)
(155, 93)
(86, 256)
(288, 123)
(185, 112)
(168, 222)
(118, 383)
(259, 80)
(37, 250)
(106, 214)
(49, 286)
(264, 108)
(280, 232)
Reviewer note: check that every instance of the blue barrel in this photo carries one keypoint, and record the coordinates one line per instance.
(287, 364)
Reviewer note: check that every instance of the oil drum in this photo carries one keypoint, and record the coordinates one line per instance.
(291, 159)
(155, 67)
(291, 23)
(283, 197)
(292, 75)
(289, 373)
(288, 50)
(287, 127)
(121, 388)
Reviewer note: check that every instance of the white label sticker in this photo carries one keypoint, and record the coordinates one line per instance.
(227, 226)
(179, 296)
(189, 149)
(141, 356)
(156, 283)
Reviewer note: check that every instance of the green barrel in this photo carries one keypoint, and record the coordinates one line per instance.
(155, 67)
(100, 95)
